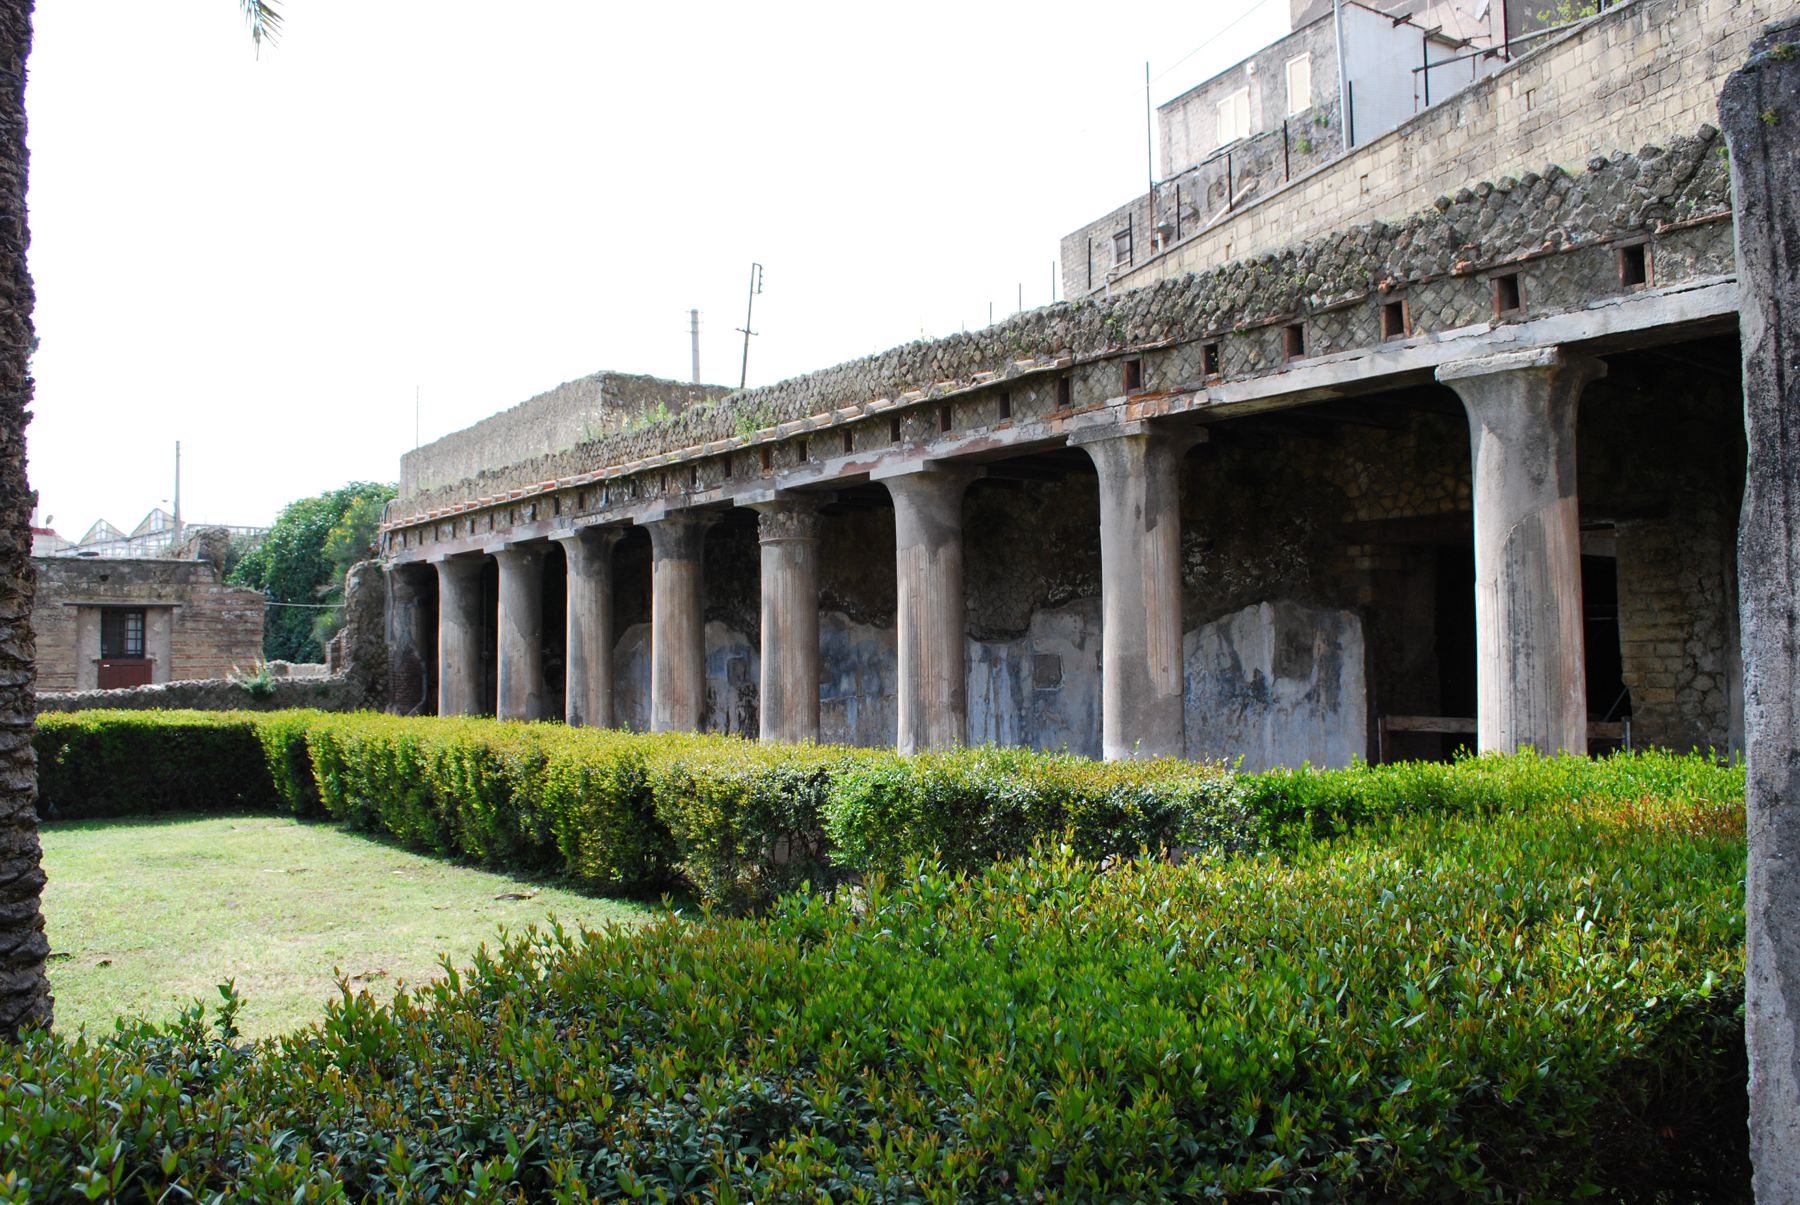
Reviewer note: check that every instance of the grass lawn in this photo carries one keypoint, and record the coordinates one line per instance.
(146, 914)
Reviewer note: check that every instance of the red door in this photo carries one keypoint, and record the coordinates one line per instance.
(124, 671)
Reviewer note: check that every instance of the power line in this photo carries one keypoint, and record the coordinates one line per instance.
(1244, 16)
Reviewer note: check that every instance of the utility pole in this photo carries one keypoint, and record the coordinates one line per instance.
(415, 418)
(694, 335)
(755, 288)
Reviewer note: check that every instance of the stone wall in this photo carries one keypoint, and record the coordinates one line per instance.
(574, 412)
(324, 694)
(199, 627)
(1555, 229)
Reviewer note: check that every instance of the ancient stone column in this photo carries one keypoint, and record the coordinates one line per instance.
(1530, 677)
(459, 636)
(788, 530)
(1760, 113)
(1140, 591)
(677, 622)
(933, 687)
(521, 643)
(588, 689)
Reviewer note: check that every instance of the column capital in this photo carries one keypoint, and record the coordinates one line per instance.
(1184, 437)
(519, 554)
(788, 518)
(596, 536)
(1551, 359)
(460, 565)
(678, 533)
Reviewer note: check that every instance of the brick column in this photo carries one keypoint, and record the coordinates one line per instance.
(788, 530)
(677, 622)
(1531, 676)
(933, 675)
(459, 636)
(1140, 590)
(521, 643)
(588, 689)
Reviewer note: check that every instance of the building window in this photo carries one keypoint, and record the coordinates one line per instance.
(1234, 116)
(1299, 84)
(1122, 248)
(121, 634)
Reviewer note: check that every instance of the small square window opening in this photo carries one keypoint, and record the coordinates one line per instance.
(1293, 341)
(1393, 319)
(1134, 375)
(1634, 267)
(1509, 295)
(1211, 363)
(1005, 405)
(1065, 392)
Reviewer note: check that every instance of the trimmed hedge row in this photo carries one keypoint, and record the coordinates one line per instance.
(739, 822)
(1530, 1005)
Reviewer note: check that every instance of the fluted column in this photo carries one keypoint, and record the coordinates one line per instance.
(589, 685)
(459, 636)
(788, 530)
(677, 622)
(521, 644)
(1140, 591)
(933, 683)
(1531, 677)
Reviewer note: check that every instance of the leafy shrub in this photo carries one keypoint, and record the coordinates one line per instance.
(739, 822)
(970, 807)
(1529, 1005)
(747, 820)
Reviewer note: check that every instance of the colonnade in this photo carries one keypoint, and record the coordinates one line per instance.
(1531, 687)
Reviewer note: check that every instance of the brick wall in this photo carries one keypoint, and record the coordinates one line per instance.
(212, 628)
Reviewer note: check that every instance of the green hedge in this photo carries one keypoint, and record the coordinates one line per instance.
(94, 764)
(740, 823)
(1532, 1004)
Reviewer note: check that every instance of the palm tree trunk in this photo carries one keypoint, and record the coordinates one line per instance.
(24, 991)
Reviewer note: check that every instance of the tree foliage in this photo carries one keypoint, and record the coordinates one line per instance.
(302, 561)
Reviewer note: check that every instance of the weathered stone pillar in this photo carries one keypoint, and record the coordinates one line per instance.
(933, 676)
(588, 689)
(1140, 590)
(1760, 113)
(521, 643)
(788, 530)
(677, 622)
(1530, 675)
(459, 636)
(409, 674)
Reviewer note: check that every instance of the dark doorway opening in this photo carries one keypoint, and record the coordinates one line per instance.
(1456, 641)
(1608, 698)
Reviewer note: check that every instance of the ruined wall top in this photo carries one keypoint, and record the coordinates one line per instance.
(1471, 231)
(574, 412)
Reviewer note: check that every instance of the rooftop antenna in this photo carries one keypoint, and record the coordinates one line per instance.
(176, 534)
(755, 288)
(1149, 142)
(694, 334)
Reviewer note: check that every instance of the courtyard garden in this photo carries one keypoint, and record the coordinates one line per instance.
(979, 975)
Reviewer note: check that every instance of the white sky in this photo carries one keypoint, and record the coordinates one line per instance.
(263, 258)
